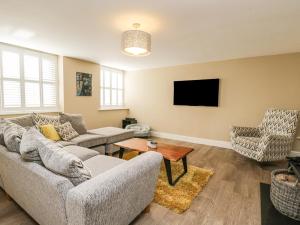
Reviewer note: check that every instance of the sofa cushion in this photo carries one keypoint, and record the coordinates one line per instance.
(66, 131)
(99, 148)
(65, 143)
(76, 120)
(62, 162)
(12, 134)
(41, 119)
(113, 134)
(101, 163)
(29, 145)
(81, 152)
(24, 121)
(89, 140)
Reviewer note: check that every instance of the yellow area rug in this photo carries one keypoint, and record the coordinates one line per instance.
(178, 198)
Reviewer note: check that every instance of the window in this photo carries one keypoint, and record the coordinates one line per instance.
(28, 81)
(111, 88)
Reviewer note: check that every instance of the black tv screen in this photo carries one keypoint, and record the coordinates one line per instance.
(196, 92)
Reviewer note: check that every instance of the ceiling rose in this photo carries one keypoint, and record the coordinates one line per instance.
(136, 42)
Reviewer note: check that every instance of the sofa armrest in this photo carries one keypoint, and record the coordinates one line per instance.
(244, 131)
(116, 196)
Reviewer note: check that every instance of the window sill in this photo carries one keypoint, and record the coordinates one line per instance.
(23, 112)
(108, 108)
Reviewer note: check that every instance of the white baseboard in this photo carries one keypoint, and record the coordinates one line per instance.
(195, 140)
(202, 141)
(295, 153)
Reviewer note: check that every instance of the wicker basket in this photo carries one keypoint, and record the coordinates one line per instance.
(285, 198)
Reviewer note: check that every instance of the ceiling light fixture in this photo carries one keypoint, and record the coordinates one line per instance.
(136, 42)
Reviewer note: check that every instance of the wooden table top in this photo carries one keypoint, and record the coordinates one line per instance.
(171, 152)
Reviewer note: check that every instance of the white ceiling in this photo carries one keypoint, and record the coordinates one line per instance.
(183, 31)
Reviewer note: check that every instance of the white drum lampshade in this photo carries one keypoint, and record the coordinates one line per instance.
(136, 42)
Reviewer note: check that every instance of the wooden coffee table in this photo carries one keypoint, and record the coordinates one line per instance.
(170, 153)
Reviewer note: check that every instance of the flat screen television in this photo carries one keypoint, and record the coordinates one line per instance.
(196, 92)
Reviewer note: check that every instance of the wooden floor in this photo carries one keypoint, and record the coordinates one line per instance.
(231, 197)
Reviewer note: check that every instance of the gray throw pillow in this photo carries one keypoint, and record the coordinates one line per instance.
(29, 145)
(24, 121)
(12, 136)
(76, 121)
(62, 162)
(3, 124)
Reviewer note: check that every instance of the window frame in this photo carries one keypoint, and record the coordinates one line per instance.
(22, 80)
(103, 87)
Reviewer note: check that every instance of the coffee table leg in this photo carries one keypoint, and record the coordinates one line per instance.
(106, 150)
(121, 152)
(168, 170)
(184, 164)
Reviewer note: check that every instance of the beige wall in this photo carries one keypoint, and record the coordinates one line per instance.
(87, 105)
(247, 88)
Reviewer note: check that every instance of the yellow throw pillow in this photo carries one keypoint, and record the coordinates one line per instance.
(49, 132)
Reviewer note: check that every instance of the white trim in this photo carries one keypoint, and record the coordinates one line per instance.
(294, 153)
(195, 140)
(30, 111)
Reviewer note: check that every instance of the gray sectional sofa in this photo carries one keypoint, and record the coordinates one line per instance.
(118, 191)
(100, 139)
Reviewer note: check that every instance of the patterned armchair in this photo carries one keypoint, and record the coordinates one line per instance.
(272, 140)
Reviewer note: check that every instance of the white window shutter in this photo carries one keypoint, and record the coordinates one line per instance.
(11, 94)
(49, 95)
(28, 80)
(111, 88)
(10, 65)
(32, 94)
(31, 68)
